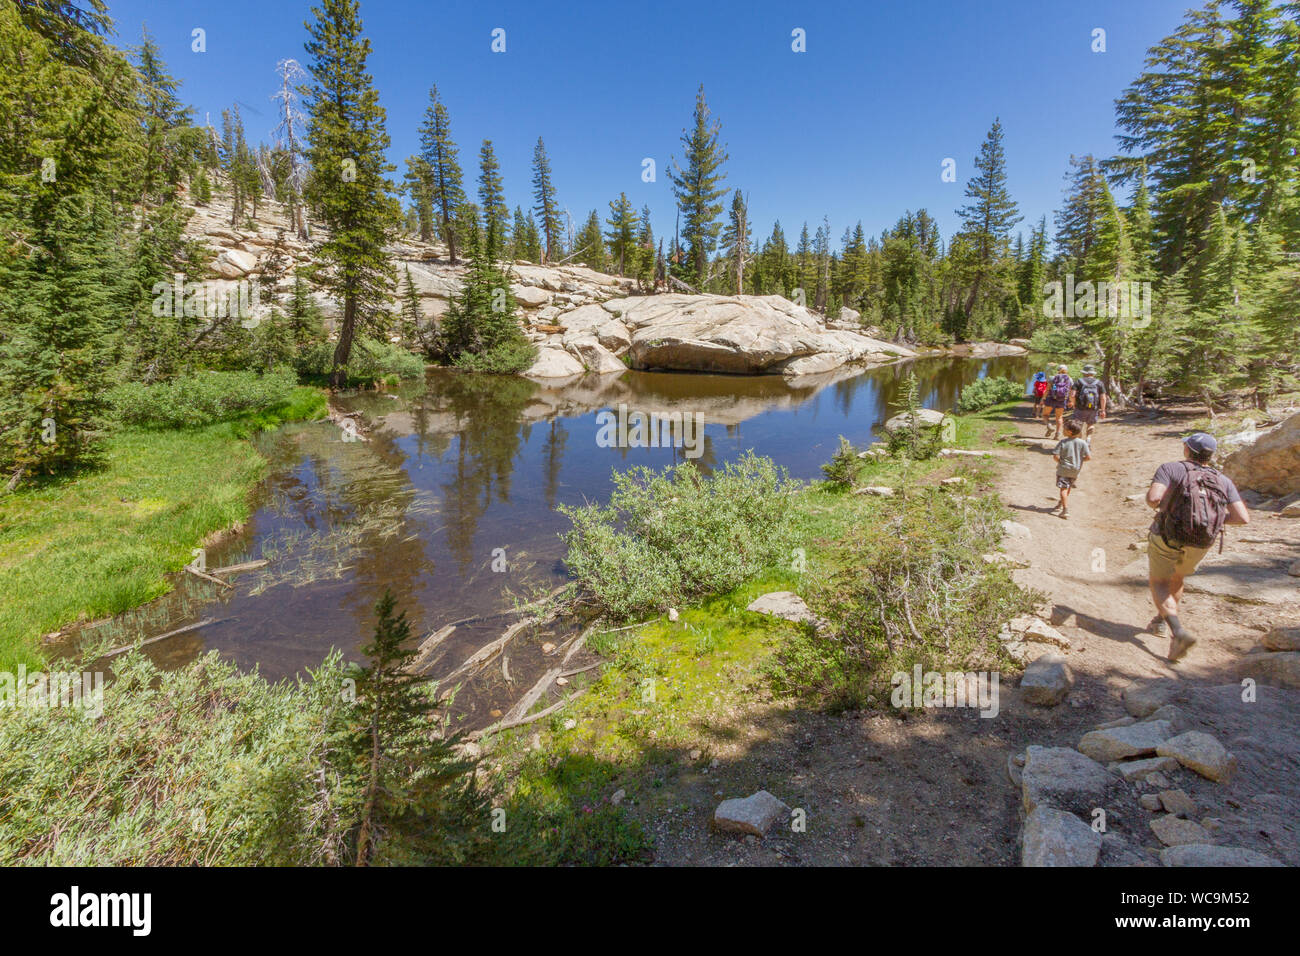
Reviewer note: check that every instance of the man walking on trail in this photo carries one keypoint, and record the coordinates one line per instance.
(1089, 400)
(1060, 392)
(1192, 502)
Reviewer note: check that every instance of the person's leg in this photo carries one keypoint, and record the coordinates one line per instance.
(1065, 501)
(1060, 422)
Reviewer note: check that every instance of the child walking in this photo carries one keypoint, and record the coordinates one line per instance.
(1070, 454)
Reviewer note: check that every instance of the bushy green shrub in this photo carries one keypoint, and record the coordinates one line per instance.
(985, 392)
(509, 358)
(677, 535)
(912, 590)
(202, 398)
(1059, 340)
(372, 360)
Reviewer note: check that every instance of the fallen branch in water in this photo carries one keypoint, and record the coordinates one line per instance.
(531, 718)
(428, 646)
(207, 577)
(246, 566)
(162, 637)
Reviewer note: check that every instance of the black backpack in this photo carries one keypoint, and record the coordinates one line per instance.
(1195, 508)
(1089, 393)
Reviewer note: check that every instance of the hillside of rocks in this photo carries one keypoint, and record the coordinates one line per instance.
(585, 321)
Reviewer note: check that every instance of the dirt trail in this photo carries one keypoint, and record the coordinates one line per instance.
(934, 788)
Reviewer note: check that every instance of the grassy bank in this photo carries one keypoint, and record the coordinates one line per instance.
(101, 542)
(647, 715)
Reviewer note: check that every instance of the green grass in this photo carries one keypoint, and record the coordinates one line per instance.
(100, 542)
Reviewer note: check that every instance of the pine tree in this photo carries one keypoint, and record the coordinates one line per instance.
(348, 187)
(735, 241)
(698, 188)
(987, 220)
(440, 156)
(622, 235)
(546, 209)
(645, 255)
(480, 331)
(418, 802)
(590, 243)
(412, 320)
(418, 184)
(492, 200)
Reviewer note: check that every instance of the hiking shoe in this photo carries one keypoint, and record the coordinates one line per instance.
(1157, 626)
(1064, 513)
(1179, 645)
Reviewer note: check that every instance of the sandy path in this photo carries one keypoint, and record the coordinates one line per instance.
(933, 789)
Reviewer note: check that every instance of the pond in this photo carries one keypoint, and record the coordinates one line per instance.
(451, 501)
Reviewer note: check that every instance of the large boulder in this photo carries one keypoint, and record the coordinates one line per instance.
(595, 357)
(925, 417)
(554, 363)
(1272, 463)
(234, 264)
(743, 334)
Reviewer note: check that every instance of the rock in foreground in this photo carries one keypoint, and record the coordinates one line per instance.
(754, 814)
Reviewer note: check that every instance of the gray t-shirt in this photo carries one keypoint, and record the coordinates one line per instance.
(1070, 451)
(1171, 472)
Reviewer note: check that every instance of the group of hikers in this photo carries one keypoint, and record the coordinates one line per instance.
(1193, 501)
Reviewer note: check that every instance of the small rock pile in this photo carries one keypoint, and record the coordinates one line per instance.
(1073, 799)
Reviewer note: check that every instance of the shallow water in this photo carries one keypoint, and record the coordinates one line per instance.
(451, 502)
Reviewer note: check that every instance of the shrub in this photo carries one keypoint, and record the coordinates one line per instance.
(913, 590)
(679, 535)
(202, 398)
(1059, 340)
(915, 440)
(509, 358)
(985, 392)
(843, 466)
(205, 765)
(372, 360)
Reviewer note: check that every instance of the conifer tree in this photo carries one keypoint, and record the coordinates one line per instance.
(987, 220)
(622, 235)
(440, 156)
(492, 201)
(417, 793)
(545, 209)
(698, 187)
(590, 243)
(418, 184)
(735, 241)
(348, 188)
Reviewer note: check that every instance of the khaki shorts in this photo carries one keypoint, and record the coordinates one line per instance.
(1164, 560)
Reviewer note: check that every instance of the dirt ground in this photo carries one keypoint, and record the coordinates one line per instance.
(933, 787)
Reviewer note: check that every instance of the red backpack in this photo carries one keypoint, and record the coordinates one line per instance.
(1040, 388)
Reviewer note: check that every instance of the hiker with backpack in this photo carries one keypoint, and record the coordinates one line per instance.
(1192, 502)
(1038, 389)
(1089, 400)
(1060, 391)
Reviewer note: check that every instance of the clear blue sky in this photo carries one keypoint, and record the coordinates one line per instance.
(856, 128)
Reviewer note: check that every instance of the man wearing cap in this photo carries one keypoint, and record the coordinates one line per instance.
(1089, 400)
(1060, 392)
(1170, 561)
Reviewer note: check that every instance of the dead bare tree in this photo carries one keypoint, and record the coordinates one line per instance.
(289, 138)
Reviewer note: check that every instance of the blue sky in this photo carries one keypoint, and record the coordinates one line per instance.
(855, 128)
